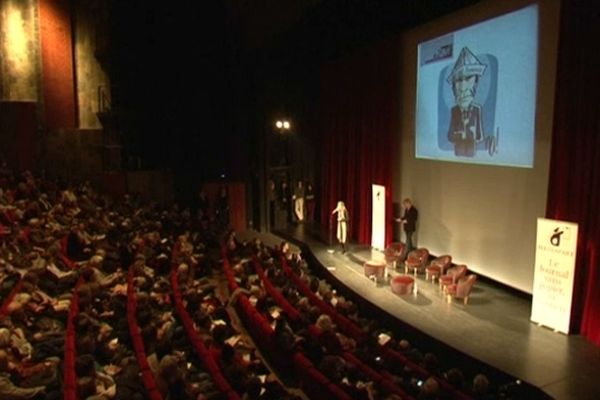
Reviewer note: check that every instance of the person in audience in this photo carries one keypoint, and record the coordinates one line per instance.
(328, 337)
(480, 388)
(430, 389)
(431, 363)
(9, 391)
(456, 378)
(284, 337)
(253, 388)
(48, 221)
(78, 243)
(286, 251)
(170, 379)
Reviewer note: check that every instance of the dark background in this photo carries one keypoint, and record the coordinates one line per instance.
(198, 84)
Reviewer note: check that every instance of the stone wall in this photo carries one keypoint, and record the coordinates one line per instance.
(19, 50)
(50, 74)
(91, 75)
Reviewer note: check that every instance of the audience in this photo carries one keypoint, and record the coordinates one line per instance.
(59, 240)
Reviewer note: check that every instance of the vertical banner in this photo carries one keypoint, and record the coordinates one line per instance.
(556, 249)
(378, 222)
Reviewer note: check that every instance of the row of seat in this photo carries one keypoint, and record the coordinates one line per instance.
(4, 307)
(293, 313)
(390, 354)
(313, 383)
(386, 382)
(203, 353)
(344, 324)
(275, 294)
(69, 373)
(398, 359)
(148, 377)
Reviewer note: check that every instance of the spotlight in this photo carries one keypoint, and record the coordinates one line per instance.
(286, 125)
(279, 124)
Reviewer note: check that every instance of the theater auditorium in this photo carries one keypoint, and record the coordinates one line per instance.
(308, 199)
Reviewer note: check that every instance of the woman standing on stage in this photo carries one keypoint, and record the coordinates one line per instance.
(342, 223)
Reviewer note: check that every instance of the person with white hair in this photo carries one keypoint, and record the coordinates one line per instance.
(342, 223)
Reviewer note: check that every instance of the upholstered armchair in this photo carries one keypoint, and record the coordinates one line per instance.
(438, 267)
(416, 260)
(452, 275)
(394, 252)
(461, 289)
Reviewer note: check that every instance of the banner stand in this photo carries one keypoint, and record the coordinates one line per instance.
(555, 255)
(378, 218)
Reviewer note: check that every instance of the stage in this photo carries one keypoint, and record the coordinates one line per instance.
(493, 327)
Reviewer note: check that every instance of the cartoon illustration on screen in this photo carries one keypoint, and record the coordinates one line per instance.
(467, 104)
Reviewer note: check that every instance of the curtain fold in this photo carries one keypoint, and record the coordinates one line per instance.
(574, 184)
(358, 125)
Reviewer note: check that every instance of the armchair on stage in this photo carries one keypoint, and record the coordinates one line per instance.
(461, 289)
(416, 260)
(452, 276)
(438, 267)
(394, 253)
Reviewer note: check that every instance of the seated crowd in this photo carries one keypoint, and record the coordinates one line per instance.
(314, 333)
(135, 269)
(59, 243)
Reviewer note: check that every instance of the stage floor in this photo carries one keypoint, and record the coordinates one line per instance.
(493, 327)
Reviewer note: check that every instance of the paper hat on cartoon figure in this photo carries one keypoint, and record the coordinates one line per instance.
(466, 65)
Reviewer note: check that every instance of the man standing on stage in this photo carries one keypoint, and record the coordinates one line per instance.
(409, 220)
(342, 223)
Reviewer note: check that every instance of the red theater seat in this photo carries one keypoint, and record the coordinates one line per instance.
(462, 288)
(416, 260)
(394, 253)
(438, 267)
(452, 275)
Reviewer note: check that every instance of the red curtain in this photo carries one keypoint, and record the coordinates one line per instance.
(58, 87)
(574, 188)
(236, 193)
(357, 126)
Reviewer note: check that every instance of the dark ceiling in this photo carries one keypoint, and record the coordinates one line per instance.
(260, 22)
(317, 30)
(191, 78)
